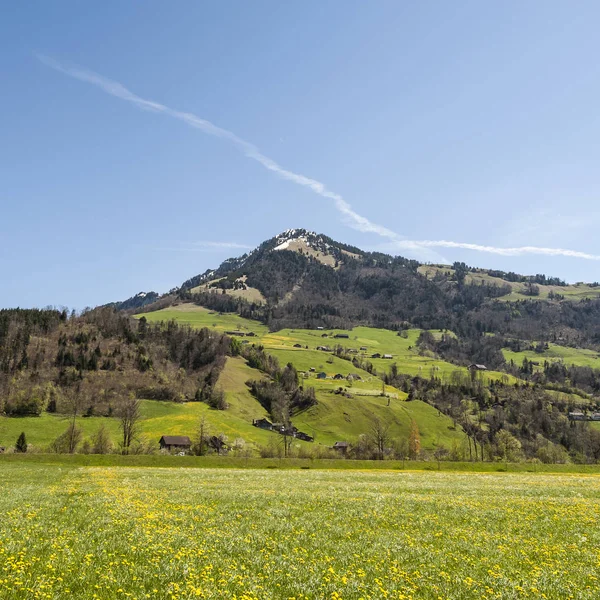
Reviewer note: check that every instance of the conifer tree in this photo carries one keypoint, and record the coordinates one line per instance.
(21, 445)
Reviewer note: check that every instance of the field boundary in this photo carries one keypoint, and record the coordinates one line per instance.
(228, 462)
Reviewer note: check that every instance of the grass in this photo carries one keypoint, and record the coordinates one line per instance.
(574, 292)
(250, 294)
(197, 316)
(281, 344)
(579, 357)
(337, 417)
(324, 464)
(170, 534)
(159, 418)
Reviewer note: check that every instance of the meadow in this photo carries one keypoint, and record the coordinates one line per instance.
(403, 348)
(573, 292)
(335, 417)
(580, 357)
(107, 532)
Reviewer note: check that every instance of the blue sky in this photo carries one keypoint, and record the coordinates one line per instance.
(465, 122)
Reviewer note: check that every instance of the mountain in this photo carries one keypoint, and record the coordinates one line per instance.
(335, 341)
(304, 279)
(138, 301)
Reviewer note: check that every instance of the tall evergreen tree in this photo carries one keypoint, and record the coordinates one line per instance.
(21, 445)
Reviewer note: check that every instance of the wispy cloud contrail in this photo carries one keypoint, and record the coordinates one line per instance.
(352, 218)
(517, 251)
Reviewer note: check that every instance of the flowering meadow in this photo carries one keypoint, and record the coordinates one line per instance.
(112, 533)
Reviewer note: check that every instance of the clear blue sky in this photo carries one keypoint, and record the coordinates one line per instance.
(463, 121)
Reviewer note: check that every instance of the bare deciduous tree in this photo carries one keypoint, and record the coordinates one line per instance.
(129, 413)
(379, 434)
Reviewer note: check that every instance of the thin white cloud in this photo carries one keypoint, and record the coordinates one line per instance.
(351, 217)
(517, 251)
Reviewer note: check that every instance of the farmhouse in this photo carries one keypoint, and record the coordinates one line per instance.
(341, 447)
(364, 348)
(238, 333)
(475, 367)
(343, 336)
(576, 416)
(387, 356)
(262, 424)
(297, 345)
(338, 376)
(376, 355)
(321, 375)
(595, 417)
(175, 442)
(324, 348)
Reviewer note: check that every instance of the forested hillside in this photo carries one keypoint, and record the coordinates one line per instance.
(349, 345)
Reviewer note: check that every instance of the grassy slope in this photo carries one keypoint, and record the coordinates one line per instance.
(197, 316)
(578, 291)
(251, 294)
(570, 356)
(336, 417)
(160, 418)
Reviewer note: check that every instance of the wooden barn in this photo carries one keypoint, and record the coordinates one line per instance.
(177, 443)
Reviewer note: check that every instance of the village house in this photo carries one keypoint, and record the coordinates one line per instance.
(343, 336)
(363, 348)
(376, 355)
(576, 416)
(475, 367)
(238, 333)
(387, 356)
(321, 375)
(175, 443)
(297, 345)
(338, 376)
(341, 447)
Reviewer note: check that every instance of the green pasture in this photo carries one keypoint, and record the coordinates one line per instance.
(580, 357)
(267, 534)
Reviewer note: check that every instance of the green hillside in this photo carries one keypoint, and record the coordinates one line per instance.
(336, 417)
(403, 348)
(580, 357)
(574, 292)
